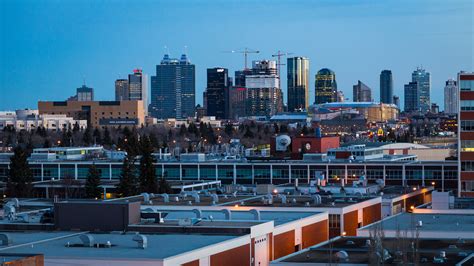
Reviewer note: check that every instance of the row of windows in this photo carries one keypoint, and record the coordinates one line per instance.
(466, 85)
(467, 186)
(467, 105)
(467, 166)
(467, 145)
(467, 125)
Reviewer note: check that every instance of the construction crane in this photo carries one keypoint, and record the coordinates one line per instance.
(245, 51)
(278, 55)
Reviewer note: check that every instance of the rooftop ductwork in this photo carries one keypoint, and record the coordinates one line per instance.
(283, 199)
(227, 213)
(87, 240)
(146, 197)
(215, 198)
(196, 197)
(166, 197)
(317, 199)
(141, 240)
(6, 239)
(256, 214)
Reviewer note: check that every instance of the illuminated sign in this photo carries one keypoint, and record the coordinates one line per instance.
(117, 122)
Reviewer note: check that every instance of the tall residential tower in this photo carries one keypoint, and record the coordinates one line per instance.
(451, 97)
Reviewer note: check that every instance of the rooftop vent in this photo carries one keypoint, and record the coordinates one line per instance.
(256, 214)
(227, 213)
(317, 199)
(146, 197)
(215, 198)
(166, 197)
(141, 240)
(198, 213)
(87, 240)
(342, 255)
(6, 239)
(283, 199)
(196, 197)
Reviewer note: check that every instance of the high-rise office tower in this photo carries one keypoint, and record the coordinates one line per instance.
(173, 88)
(362, 92)
(386, 86)
(451, 97)
(216, 96)
(240, 77)
(466, 134)
(121, 90)
(411, 97)
(424, 84)
(298, 83)
(325, 86)
(138, 88)
(263, 97)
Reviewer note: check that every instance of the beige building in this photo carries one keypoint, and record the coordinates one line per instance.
(98, 113)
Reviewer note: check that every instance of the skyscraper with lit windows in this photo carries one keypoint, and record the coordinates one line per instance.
(325, 86)
(298, 83)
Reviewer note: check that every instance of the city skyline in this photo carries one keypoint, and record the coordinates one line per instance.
(35, 44)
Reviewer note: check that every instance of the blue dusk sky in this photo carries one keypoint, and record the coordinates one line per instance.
(47, 48)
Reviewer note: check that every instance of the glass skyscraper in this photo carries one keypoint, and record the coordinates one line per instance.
(411, 97)
(361, 92)
(325, 86)
(121, 89)
(422, 77)
(173, 89)
(217, 92)
(138, 88)
(386, 86)
(298, 83)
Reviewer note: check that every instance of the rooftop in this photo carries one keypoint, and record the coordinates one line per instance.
(357, 250)
(160, 246)
(439, 223)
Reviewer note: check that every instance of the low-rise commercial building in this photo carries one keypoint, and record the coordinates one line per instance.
(98, 113)
(31, 120)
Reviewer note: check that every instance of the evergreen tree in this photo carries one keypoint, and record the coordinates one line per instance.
(87, 136)
(93, 182)
(20, 176)
(76, 128)
(164, 186)
(97, 136)
(128, 185)
(248, 133)
(107, 139)
(229, 129)
(182, 130)
(147, 169)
